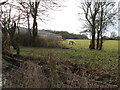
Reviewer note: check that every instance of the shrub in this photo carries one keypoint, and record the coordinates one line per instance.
(26, 40)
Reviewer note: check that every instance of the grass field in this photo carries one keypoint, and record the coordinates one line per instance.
(105, 60)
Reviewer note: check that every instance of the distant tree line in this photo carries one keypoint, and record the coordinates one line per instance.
(113, 36)
(68, 35)
(116, 38)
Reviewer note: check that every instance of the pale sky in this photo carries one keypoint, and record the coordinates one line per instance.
(64, 20)
(67, 19)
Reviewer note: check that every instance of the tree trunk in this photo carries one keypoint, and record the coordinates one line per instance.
(101, 27)
(92, 42)
(29, 30)
(98, 39)
(34, 29)
(5, 42)
(101, 42)
(34, 32)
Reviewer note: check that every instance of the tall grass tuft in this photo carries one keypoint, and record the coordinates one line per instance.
(53, 74)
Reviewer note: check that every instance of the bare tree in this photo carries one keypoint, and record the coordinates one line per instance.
(25, 8)
(2, 3)
(36, 9)
(98, 16)
(106, 18)
(9, 26)
(91, 10)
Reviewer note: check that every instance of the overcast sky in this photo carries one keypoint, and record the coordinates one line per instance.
(67, 19)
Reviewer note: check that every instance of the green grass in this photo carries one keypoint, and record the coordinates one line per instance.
(106, 59)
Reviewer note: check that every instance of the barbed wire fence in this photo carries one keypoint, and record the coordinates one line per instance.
(31, 75)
